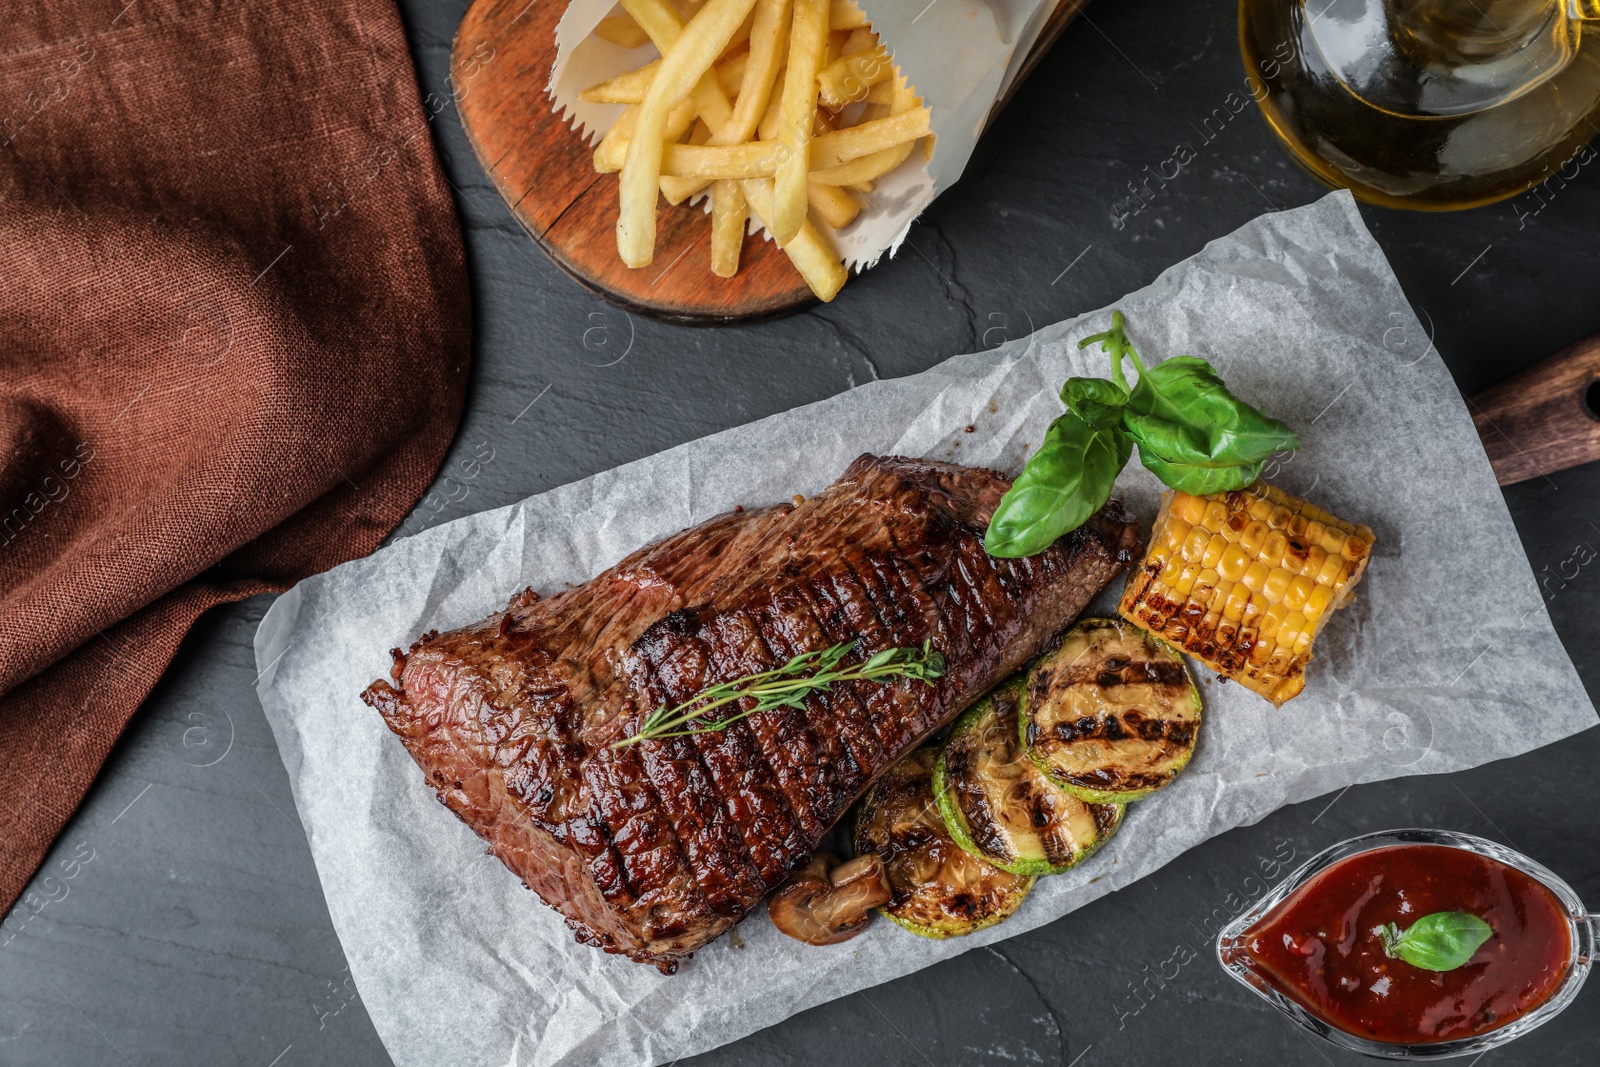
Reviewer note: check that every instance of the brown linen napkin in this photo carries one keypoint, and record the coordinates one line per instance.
(233, 342)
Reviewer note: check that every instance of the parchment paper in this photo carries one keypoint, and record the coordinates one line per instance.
(1445, 661)
(960, 56)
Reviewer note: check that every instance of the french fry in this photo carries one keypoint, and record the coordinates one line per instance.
(836, 43)
(629, 87)
(832, 204)
(731, 71)
(808, 40)
(621, 30)
(682, 67)
(707, 163)
(769, 39)
(767, 128)
(625, 88)
(728, 214)
(713, 109)
(848, 78)
(841, 146)
(860, 40)
(730, 75)
(657, 19)
(865, 168)
(769, 36)
(613, 148)
(665, 25)
(808, 250)
(844, 15)
(764, 159)
(882, 93)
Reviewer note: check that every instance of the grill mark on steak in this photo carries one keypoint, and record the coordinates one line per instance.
(884, 586)
(911, 572)
(848, 620)
(775, 733)
(1010, 580)
(753, 803)
(859, 608)
(540, 740)
(745, 777)
(607, 811)
(588, 834)
(799, 629)
(654, 868)
(971, 617)
(668, 667)
(985, 592)
(735, 792)
(844, 719)
(713, 848)
(654, 849)
(797, 750)
(898, 615)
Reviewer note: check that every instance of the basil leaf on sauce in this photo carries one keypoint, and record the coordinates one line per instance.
(1442, 941)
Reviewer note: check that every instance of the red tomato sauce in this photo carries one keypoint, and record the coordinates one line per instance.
(1320, 945)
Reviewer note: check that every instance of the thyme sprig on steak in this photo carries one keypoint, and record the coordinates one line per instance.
(785, 686)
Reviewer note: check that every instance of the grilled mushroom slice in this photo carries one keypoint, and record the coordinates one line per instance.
(940, 889)
(1112, 714)
(998, 804)
(826, 901)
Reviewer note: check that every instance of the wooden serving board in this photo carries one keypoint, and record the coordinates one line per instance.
(500, 64)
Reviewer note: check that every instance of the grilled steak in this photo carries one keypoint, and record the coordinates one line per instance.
(654, 849)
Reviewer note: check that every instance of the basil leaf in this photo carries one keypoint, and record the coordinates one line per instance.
(1200, 481)
(1067, 479)
(1442, 941)
(1095, 400)
(1181, 410)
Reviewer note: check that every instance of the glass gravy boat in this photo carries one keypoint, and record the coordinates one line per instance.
(1583, 929)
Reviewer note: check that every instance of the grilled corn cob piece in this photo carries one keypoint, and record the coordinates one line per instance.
(1242, 581)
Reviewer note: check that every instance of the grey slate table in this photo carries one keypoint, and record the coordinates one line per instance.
(192, 930)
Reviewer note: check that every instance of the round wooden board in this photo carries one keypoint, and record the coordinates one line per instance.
(500, 64)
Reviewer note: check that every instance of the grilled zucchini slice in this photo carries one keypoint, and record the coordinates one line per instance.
(999, 805)
(939, 889)
(1112, 714)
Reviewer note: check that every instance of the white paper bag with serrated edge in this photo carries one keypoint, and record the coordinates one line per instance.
(960, 56)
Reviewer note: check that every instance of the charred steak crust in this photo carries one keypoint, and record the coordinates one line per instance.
(654, 849)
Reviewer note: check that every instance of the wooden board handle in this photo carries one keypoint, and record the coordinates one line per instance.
(1545, 419)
